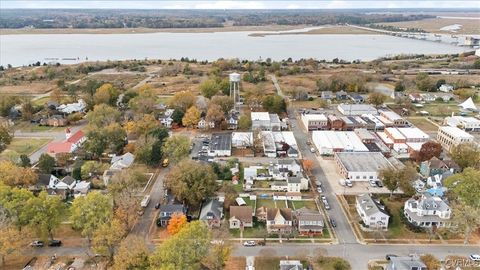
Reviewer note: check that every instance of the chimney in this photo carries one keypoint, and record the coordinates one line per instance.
(68, 133)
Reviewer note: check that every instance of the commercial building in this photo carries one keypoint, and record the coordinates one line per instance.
(427, 211)
(265, 121)
(361, 166)
(334, 123)
(377, 124)
(242, 139)
(268, 143)
(414, 135)
(395, 135)
(328, 141)
(314, 121)
(220, 145)
(452, 136)
(462, 122)
(392, 116)
(371, 212)
(356, 109)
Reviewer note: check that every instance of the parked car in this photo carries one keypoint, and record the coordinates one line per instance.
(372, 183)
(327, 206)
(388, 257)
(312, 150)
(319, 190)
(54, 243)
(348, 183)
(379, 183)
(324, 199)
(157, 206)
(249, 243)
(475, 257)
(37, 243)
(333, 223)
(318, 183)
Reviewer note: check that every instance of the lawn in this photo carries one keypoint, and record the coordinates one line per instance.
(273, 263)
(257, 231)
(26, 146)
(29, 127)
(423, 124)
(269, 203)
(332, 263)
(440, 109)
(249, 202)
(308, 204)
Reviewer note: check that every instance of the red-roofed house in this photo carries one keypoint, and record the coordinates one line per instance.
(71, 143)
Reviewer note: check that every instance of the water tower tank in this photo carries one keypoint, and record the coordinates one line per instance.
(234, 77)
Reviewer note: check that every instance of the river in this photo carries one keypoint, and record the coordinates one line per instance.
(20, 50)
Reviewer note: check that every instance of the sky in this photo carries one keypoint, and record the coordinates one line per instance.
(240, 4)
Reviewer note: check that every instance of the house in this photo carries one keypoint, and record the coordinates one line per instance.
(81, 188)
(261, 213)
(356, 98)
(289, 165)
(204, 124)
(405, 263)
(341, 95)
(279, 220)
(427, 211)
(428, 97)
(371, 212)
(166, 212)
(78, 106)
(242, 140)
(232, 121)
(285, 143)
(240, 216)
(308, 221)
(167, 119)
(415, 97)
(450, 137)
(290, 265)
(314, 121)
(297, 184)
(54, 121)
(71, 143)
(326, 95)
(265, 121)
(361, 166)
(121, 162)
(220, 145)
(212, 213)
(43, 182)
(279, 186)
(62, 193)
(67, 183)
(432, 167)
(445, 88)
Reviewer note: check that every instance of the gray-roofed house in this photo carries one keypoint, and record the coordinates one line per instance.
(166, 212)
(326, 95)
(371, 212)
(43, 182)
(405, 263)
(308, 222)
(240, 216)
(427, 211)
(220, 145)
(212, 213)
(121, 162)
(290, 265)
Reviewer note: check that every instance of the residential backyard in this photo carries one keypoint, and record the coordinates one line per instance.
(299, 204)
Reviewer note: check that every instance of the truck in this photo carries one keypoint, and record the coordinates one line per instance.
(165, 162)
(146, 200)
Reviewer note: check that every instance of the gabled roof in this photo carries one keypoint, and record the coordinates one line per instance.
(172, 208)
(286, 213)
(212, 209)
(59, 147)
(76, 137)
(68, 180)
(242, 213)
(369, 206)
(123, 161)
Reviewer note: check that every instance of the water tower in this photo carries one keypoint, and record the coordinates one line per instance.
(235, 89)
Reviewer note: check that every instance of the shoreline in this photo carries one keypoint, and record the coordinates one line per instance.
(263, 30)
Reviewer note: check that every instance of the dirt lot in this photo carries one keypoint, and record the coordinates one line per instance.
(470, 26)
(119, 80)
(28, 88)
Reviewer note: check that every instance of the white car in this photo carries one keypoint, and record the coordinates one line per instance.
(372, 183)
(312, 150)
(475, 257)
(319, 190)
(348, 183)
(249, 243)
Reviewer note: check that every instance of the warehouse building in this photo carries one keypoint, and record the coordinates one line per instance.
(328, 141)
(414, 135)
(356, 109)
(452, 136)
(220, 145)
(393, 117)
(361, 166)
(314, 121)
(466, 123)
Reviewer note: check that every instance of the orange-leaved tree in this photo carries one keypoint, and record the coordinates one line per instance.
(307, 165)
(176, 223)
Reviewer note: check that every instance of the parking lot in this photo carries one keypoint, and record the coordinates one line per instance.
(200, 147)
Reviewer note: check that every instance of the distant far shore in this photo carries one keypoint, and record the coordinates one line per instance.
(329, 29)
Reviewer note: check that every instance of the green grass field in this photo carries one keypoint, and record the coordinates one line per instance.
(423, 124)
(308, 204)
(26, 146)
(269, 203)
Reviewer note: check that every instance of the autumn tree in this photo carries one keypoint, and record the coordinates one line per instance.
(111, 138)
(176, 148)
(46, 163)
(103, 115)
(244, 122)
(46, 214)
(394, 178)
(428, 150)
(14, 203)
(191, 117)
(215, 114)
(466, 186)
(11, 239)
(218, 255)
(12, 175)
(184, 250)
(106, 94)
(274, 104)
(465, 219)
(5, 137)
(132, 254)
(191, 181)
(144, 102)
(307, 165)
(210, 87)
(182, 101)
(107, 237)
(89, 212)
(424, 82)
(225, 102)
(431, 262)
(146, 124)
(377, 98)
(466, 155)
(176, 223)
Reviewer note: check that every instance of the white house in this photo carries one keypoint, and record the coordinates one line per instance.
(288, 165)
(297, 184)
(121, 162)
(427, 211)
(81, 188)
(204, 124)
(78, 106)
(445, 88)
(371, 212)
(268, 143)
(67, 182)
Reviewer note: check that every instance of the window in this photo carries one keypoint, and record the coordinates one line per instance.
(372, 218)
